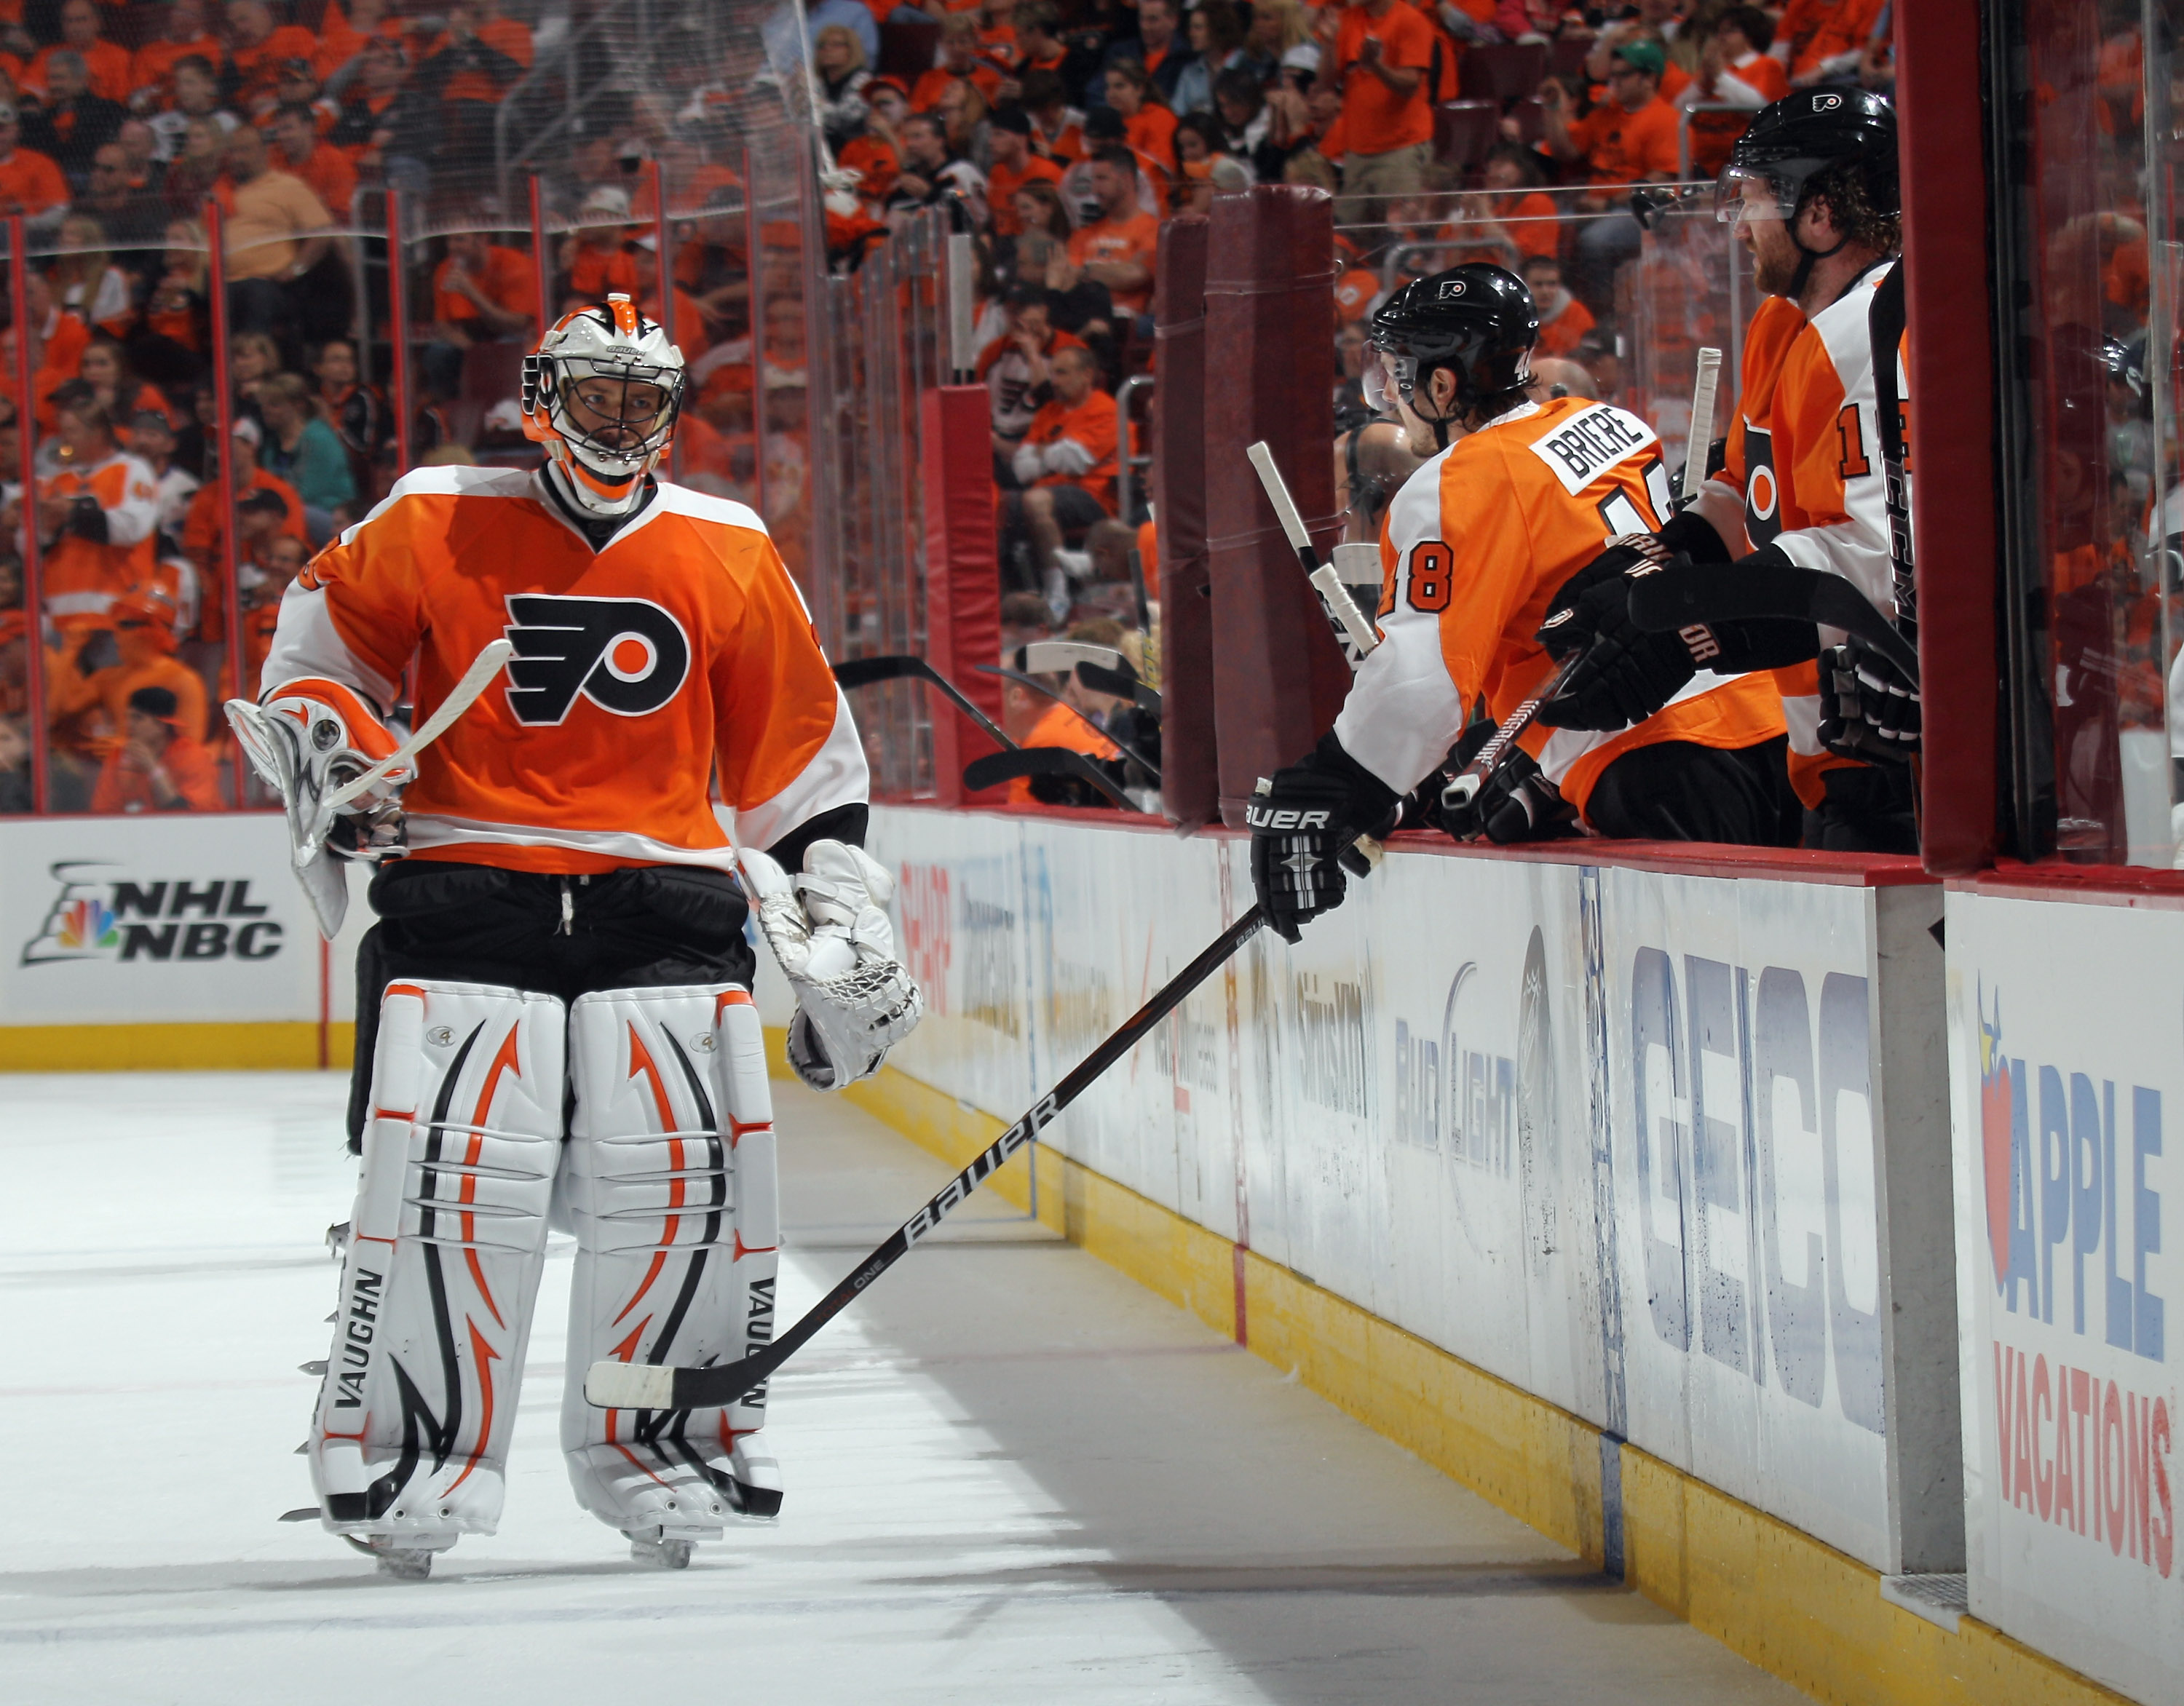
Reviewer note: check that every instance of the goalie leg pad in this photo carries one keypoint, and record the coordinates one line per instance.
(443, 1266)
(670, 1188)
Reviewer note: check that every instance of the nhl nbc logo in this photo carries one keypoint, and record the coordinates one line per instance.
(103, 913)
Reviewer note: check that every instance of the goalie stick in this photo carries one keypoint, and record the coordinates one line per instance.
(1662, 600)
(996, 768)
(658, 1387)
(1325, 581)
(460, 698)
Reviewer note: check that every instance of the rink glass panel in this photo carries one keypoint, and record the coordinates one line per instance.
(2085, 139)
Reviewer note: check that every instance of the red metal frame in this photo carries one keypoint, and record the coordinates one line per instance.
(27, 438)
(752, 271)
(664, 258)
(223, 420)
(542, 265)
(1946, 185)
(397, 314)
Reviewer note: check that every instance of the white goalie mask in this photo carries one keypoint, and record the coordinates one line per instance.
(602, 393)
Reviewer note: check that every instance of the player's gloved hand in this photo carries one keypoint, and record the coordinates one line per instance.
(1303, 820)
(834, 944)
(1516, 802)
(1869, 707)
(1623, 673)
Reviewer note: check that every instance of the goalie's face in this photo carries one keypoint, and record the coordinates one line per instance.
(617, 413)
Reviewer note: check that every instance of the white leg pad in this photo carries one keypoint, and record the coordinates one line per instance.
(460, 1153)
(670, 1188)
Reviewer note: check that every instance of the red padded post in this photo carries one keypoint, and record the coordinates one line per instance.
(1952, 405)
(1190, 774)
(1279, 676)
(962, 572)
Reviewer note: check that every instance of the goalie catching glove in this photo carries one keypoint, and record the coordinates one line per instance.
(307, 739)
(1304, 821)
(834, 944)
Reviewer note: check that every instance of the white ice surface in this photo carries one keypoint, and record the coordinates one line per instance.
(1012, 1477)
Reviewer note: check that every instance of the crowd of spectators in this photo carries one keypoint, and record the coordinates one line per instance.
(1063, 133)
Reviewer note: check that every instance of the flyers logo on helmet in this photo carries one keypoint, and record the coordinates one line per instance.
(626, 655)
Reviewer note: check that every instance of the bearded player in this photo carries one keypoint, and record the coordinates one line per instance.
(1516, 497)
(555, 1018)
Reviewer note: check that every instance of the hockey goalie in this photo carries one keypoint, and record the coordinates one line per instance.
(555, 1018)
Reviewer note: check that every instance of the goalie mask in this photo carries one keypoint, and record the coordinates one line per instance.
(602, 394)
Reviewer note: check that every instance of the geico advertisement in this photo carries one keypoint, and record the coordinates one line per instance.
(2064, 1069)
(174, 918)
(1746, 1235)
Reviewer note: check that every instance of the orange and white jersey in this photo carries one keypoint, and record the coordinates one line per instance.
(681, 649)
(81, 577)
(1744, 501)
(1473, 550)
(1827, 446)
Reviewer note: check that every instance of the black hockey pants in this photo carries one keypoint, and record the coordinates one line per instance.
(1679, 791)
(644, 927)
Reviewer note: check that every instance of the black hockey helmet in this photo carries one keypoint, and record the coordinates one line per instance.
(1477, 319)
(1802, 136)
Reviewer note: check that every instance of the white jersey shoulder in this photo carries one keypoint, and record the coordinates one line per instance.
(703, 506)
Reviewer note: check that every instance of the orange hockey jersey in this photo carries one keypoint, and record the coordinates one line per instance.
(81, 577)
(1472, 550)
(681, 648)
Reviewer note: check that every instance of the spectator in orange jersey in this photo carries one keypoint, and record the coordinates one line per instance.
(1563, 319)
(156, 768)
(1381, 55)
(1014, 166)
(1121, 248)
(1526, 211)
(106, 66)
(959, 62)
(326, 172)
(690, 334)
(57, 340)
(1015, 371)
(256, 48)
(1734, 71)
(1628, 137)
(152, 70)
(1057, 129)
(477, 61)
(145, 622)
(31, 184)
(1066, 465)
(481, 293)
(96, 517)
(1074, 723)
(1832, 51)
(1148, 126)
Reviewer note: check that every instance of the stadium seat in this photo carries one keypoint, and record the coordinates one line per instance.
(1464, 131)
(492, 373)
(1531, 120)
(1566, 57)
(907, 51)
(1501, 72)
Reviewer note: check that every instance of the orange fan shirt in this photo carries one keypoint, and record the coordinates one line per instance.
(1150, 132)
(1563, 331)
(1375, 119)
(504, 35)
(926, 92)
(257, 69)
(1096, 425)
(1135, 237)
(1060, 726)
(1622, 148)
(1473, 550)
(189, 772)
(509, 283)
(107, 64)
(30, 183)
(1002, 184)
(153, 65)
(681, 649)
(328, 173)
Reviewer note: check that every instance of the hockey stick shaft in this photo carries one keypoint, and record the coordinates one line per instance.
(996, 768)
(1321, 573)
(864, 672)
(1676, 596)
(460, 698)
(1465, 785)
(1037, 687)
(1699, 444)
(657, 1386)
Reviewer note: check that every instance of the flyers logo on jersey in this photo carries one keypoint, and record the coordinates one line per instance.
(626, 655)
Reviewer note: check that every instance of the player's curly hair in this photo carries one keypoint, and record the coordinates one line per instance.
(1844, 188)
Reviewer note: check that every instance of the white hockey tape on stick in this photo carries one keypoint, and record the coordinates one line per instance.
(460, 698)
(1333, 594)
(1699, 443)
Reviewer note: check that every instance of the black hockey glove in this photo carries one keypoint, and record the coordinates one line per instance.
(1516, 802)
(1623, 673)
(1868, 707)
(1303, 821)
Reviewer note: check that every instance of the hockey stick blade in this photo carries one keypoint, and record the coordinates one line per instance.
(460, 698)
(1698, 442)
(864, 672)
(1058, 657)
(1038, 686)
(1121, 685)
(996, 768)
(1666, 599)
(633, 1385)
